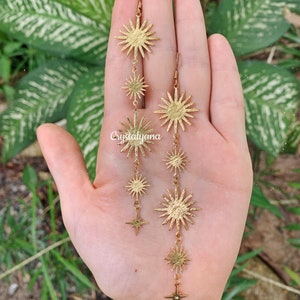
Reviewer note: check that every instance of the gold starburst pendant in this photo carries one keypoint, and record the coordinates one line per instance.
(135, 87)
(176, 110)
(137, 186)
(136, 136)
(178, 209)
(176, 160)
(177, 259)
(137, 38)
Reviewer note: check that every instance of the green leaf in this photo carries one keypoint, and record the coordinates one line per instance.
(293, 140)
(258, 199)
(4, 67)
(250, 25)
(244, 257)
(98, 10)
(294, 276)
(294, 210)
(55, 28)
(272, 100)
(238, 288)
(85, 115)
(30, 178)
(295, 242)
(40, 97)
(292, 226)
(73, 269)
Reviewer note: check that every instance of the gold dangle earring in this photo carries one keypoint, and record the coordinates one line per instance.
(177, 207)
(136, 38)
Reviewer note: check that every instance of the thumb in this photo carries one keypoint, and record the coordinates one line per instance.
(67, 166)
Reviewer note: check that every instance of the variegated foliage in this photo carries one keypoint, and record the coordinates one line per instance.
(250, 25)
(272, 99)
(78, 30)
(62, 88)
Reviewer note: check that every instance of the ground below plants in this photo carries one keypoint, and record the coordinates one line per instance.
(267, 231)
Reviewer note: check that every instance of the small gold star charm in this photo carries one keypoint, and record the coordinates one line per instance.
(137, 186)
(176, 160)
(178, 209)
(177, 259)
(135, 87)
(176, 110)
(137, 224)
(137, 37)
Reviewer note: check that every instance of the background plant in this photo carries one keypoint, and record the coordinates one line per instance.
(64, 45)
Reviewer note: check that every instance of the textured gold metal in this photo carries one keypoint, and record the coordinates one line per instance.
(137, 186)
(176, 160)
(177, 209)
(177, 258)
(137, 38)
(176, 110)
(136, 136)
(177, 295)
(135, 87)
(137, 223)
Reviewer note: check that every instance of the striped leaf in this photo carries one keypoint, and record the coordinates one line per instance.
(40, 97)
(293, 140)
(85, 115)
(98, 10)
(272, 99)
(250, 25)
(55, 28)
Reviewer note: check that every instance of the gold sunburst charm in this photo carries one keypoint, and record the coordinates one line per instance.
(137, 224)
(178, 209)
(135, 87)
(137, 38)
(137, 186)
(176, 110)
(136, 136)
(177, 259)
(176, 160)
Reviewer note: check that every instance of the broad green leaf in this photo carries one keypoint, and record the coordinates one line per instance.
(272, 99)
(40, 97)
(55, 28)
(98, 10)
(85, 115)
(250, 25)
(258, 199)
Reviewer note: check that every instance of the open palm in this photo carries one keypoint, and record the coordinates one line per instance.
(130, 266)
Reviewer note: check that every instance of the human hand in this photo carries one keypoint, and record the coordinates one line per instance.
(219, 173)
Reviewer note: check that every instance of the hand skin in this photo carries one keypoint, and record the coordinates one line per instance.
(219, 174)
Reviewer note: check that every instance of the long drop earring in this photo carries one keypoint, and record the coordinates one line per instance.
(138, 39)
(177, 207)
